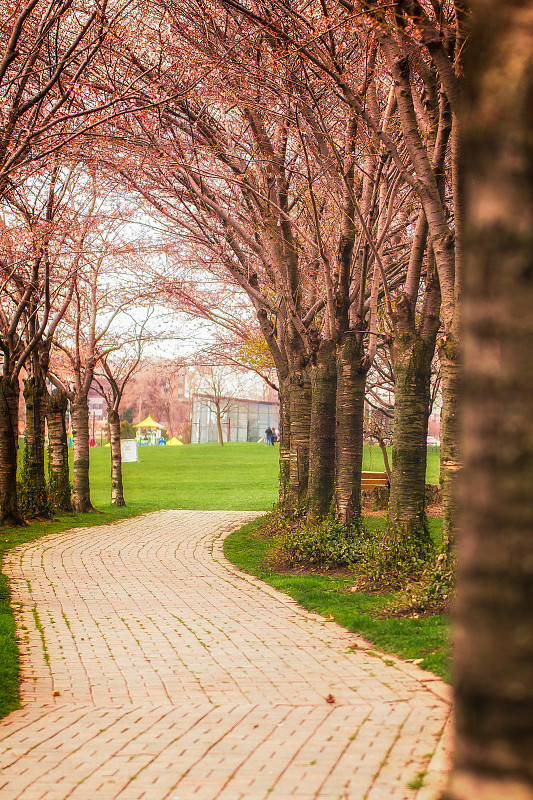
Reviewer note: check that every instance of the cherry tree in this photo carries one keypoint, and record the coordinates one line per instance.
(87, 334)
(253, 195)
(418, 57)
(36, 292)
(116, 367)
(55, 61)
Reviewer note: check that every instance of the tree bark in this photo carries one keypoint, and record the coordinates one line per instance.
(81, 496)
(219, 427)
(9, 406)
(33, 499)
(117, 490)
(351, 384)
(412, 372)
(59, 487)
(284, 441)
(322, 434)
(494, 634)
(412, 352)
(300, 421)
(450, 439)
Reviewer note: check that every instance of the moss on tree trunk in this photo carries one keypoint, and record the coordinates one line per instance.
(351, 384)
(411, 357)
(322, 434)
(9, 404)
(59, 488)
(33, 491)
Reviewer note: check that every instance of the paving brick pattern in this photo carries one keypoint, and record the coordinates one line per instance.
(153, 670)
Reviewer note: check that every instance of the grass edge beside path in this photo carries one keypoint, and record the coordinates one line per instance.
(422, 640)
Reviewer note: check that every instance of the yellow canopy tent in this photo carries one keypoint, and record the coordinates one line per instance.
(149, 429)
(149, 422)
(174, 441)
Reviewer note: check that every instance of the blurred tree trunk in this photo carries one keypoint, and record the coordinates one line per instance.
(494, 630)
(58, 473)
(219, 425)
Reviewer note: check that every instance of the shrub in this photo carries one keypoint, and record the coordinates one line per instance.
(395, 558)
(328, 544)
(438, 588)
(127, 430)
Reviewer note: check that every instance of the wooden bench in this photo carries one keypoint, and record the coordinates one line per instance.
(371, 479)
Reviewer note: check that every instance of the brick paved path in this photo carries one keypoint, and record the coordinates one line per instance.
(153, 669)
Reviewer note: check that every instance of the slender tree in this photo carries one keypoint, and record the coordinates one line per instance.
(217, 388)
(116, 368)
(105, 256)
(25, 292)
(47, 215)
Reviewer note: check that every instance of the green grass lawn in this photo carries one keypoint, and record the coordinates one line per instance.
(237, 477)
(203, 477)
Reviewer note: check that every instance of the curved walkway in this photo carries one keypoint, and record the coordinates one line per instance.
(153, 670)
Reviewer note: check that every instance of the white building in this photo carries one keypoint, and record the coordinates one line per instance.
(242, 420)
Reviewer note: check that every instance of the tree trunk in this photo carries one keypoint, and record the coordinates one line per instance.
(351, 384)
(117, 491)
(322, 435)
(450, 440)
(219, 427)
(284, 441)
(412, 355)
(59, 488)
(494, 633)
(33, 494)
(385, 454)
(9, 406)
(81, 496)
(300, 419)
